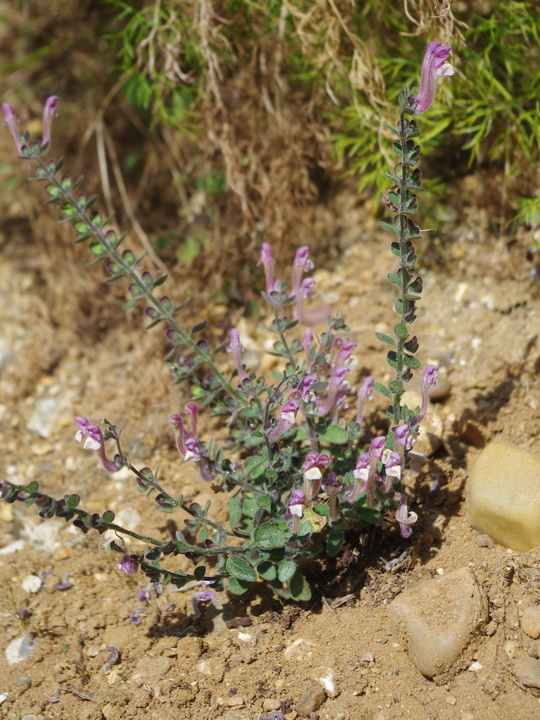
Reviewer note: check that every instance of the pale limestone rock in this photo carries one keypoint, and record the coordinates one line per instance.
(437, 618)
(530, 621)
(504, 495)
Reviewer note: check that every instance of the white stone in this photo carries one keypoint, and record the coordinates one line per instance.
(504, 495)
(31, 584)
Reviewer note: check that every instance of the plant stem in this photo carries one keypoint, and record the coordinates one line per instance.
(131, 272)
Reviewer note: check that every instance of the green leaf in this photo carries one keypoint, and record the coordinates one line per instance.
(108, 516)
(240, 569)
(395, 280)
(267, 570)
(335, 435)
(389, 228)
(269, 534)
(383, 390)
(383, 337)
(401, 331)
(73, 500)
(256, 467)
(235, 510)
(264, 501)
(334, 542)
(395, 386)
(391, 359)
(321, 509)
(299, 588)
(305, 528)
(236, 586)
(199, 573)
(411, 361)
(199, 326)
(286, 570)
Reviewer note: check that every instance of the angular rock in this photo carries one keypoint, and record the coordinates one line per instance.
(436, 619)
(527, 671)
(310, 701)
(504, 495)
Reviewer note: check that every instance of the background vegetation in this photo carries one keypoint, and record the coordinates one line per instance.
(225, 122)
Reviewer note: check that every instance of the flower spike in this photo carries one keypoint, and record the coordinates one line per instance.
(434, 66)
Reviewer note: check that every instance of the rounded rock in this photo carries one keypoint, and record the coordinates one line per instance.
(530, 621)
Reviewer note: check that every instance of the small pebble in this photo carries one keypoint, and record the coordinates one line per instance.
(311, 700)
(530, 621)
(511, 648)
(31, 584)
(92, 651)
(271, 704)
(484, 541)
(450, 699)
(235, 701)
(24, 681)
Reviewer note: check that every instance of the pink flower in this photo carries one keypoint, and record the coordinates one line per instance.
(428, 380)
(48, 113)
(11, 122)
(404, 518)
(267, 261)
(287, 418)
(127, 564)
(94, 441)
(364, 393)
(236, 348)
(314, 467)
(308, 344)
(296, 509)
(188, 445)
(366, 470)
(434, 66)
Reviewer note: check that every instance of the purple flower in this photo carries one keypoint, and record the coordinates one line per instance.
(236, 348)
(393, 467)
(94, 441)
(301, 264)
(296, 505)
(304, 292)
(201, 597)
(308, 344)
(434, 66)
(366, 469)
(404, 518)
(188, 445)
(428, 380)
(314, 467)
(267, 261)
(11, 122)
(287, 418)
(48, 113)
(128, 564)
(331, 487)
(335, 383)
(304, 388)
(114, 656)
(143, 595)
(364, 393)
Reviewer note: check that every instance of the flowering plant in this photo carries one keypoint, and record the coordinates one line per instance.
(299, 470)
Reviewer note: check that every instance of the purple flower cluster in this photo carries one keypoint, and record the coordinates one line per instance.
(301, 289)
(188, 443)
(11, 121)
